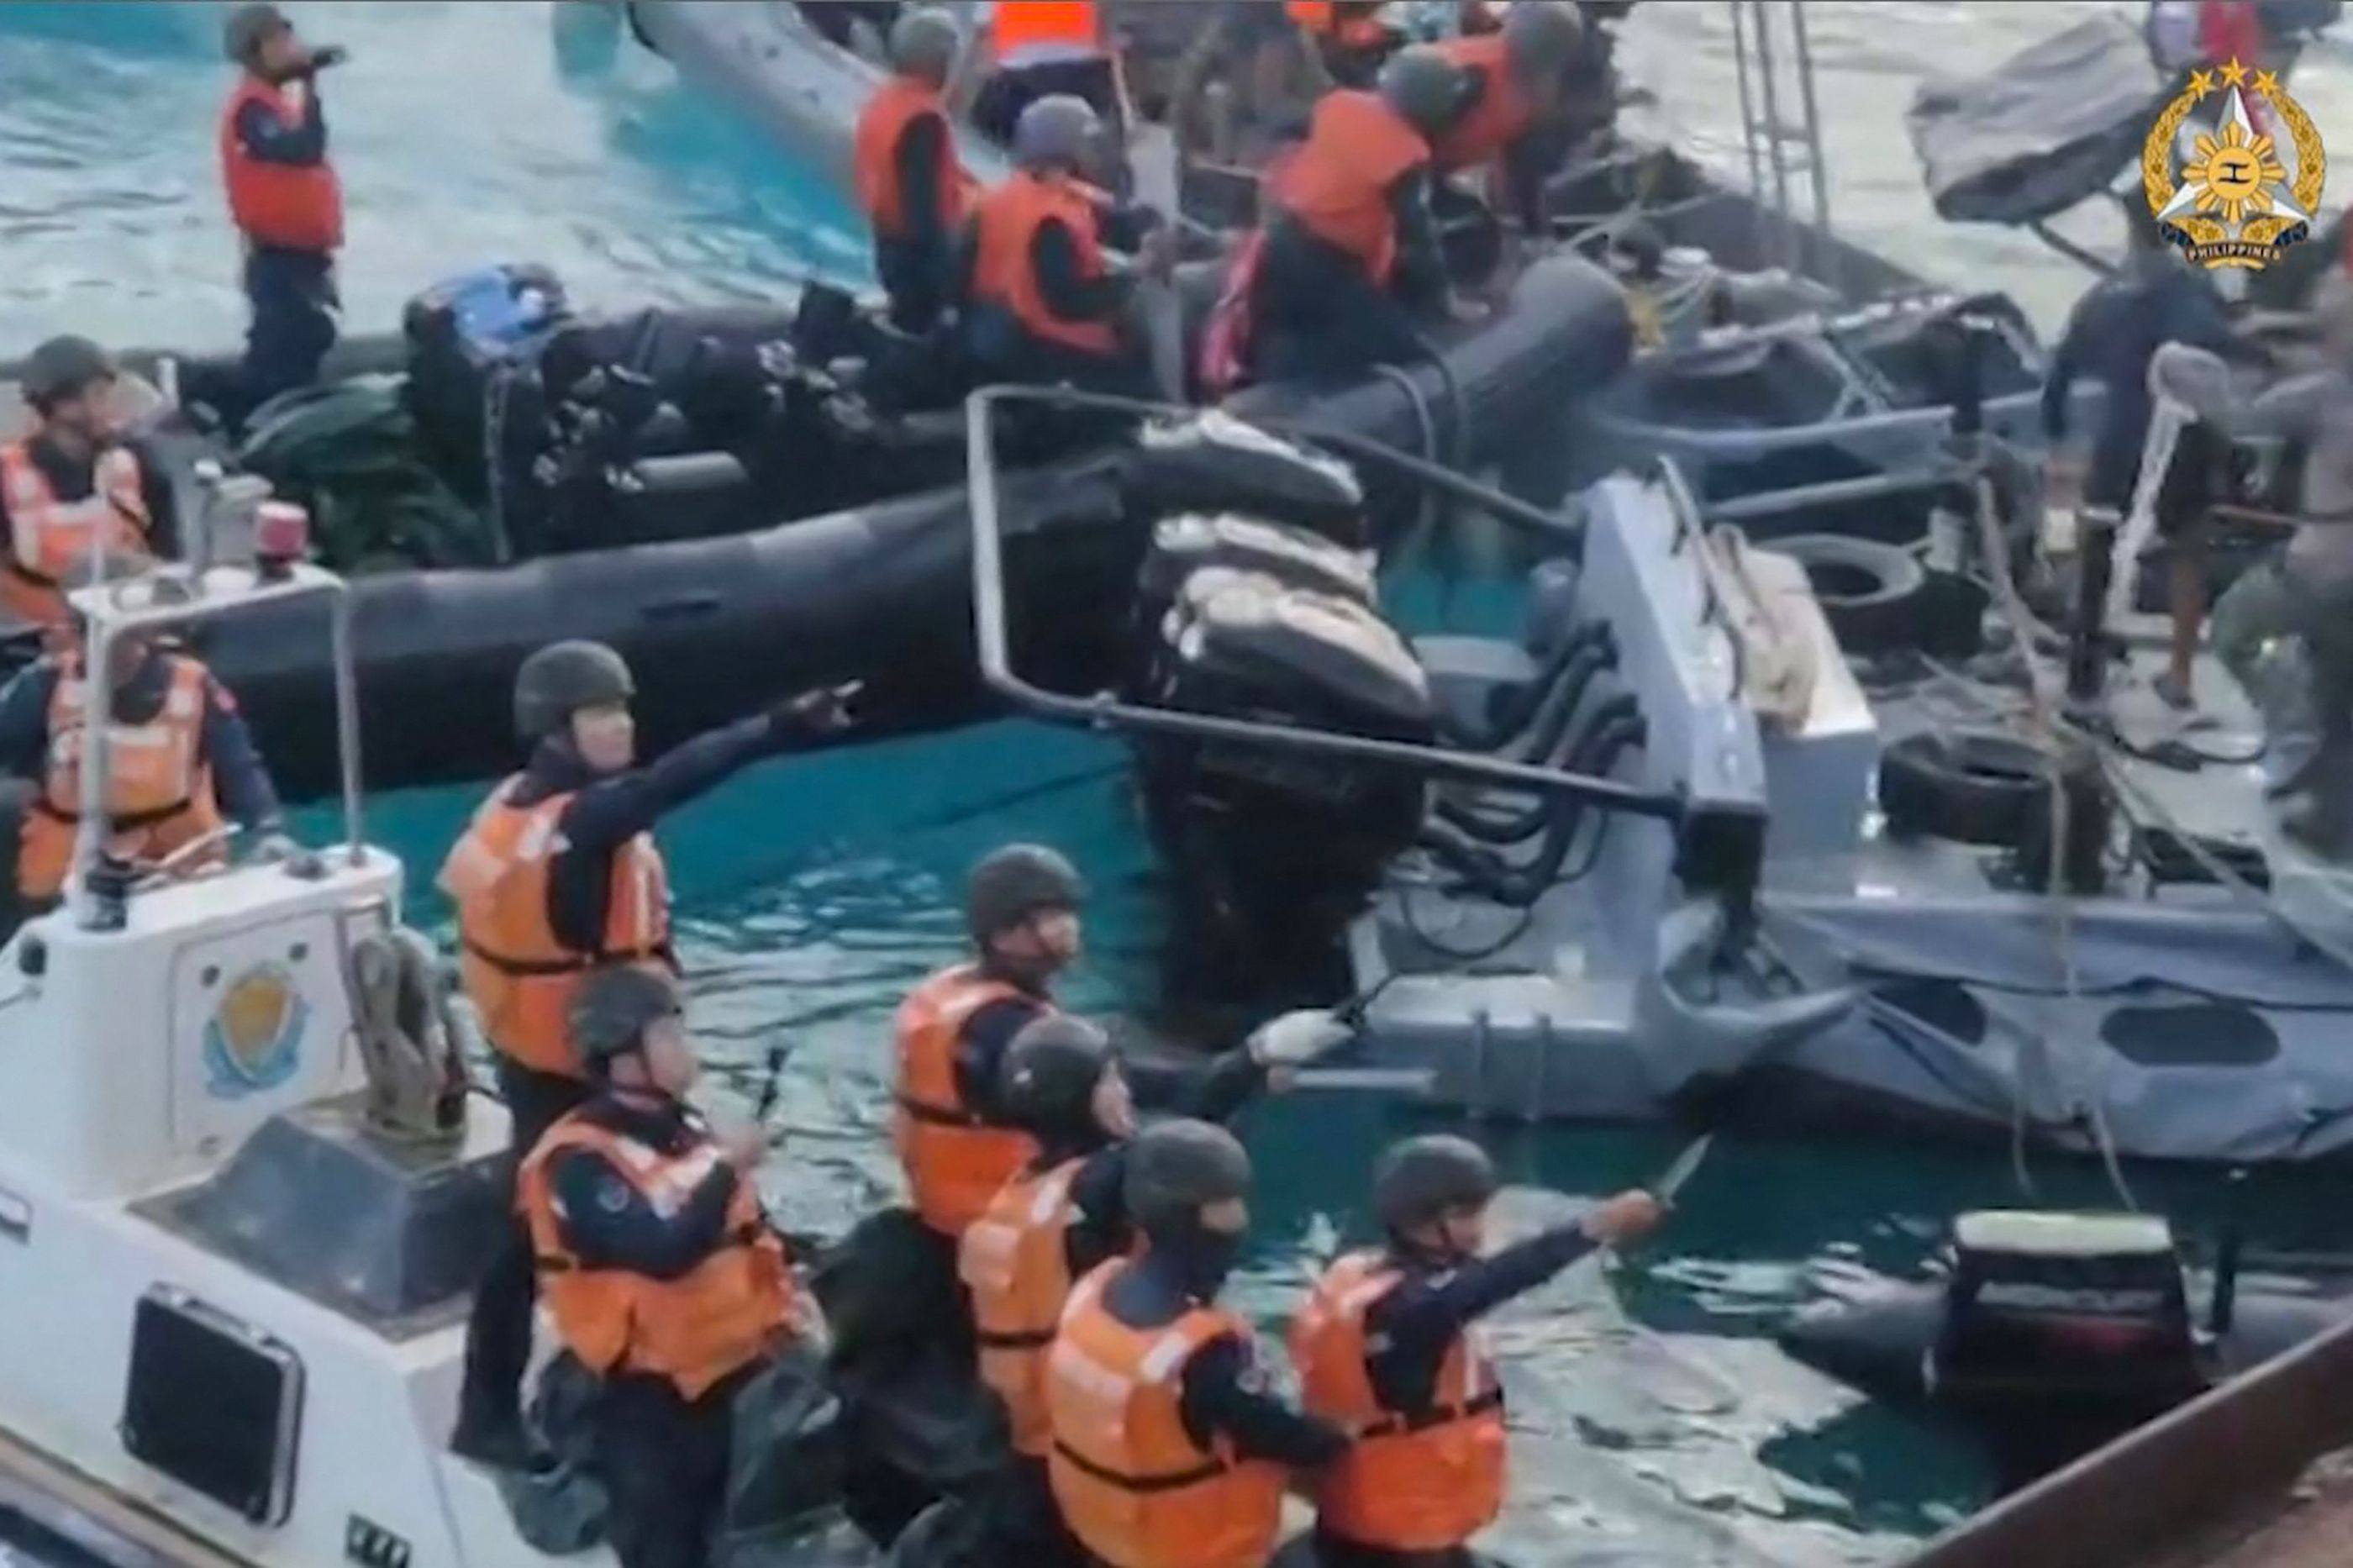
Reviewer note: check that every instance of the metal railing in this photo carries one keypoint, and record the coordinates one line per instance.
(1776, 150)
(222, 591)
(1105, 711)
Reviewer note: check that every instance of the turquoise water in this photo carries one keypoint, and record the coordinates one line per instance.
(1656, 1423)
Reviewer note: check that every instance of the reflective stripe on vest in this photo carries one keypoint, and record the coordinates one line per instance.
(955, 1162)
(1007, 220)
(515, 970)
(696, 1329)
(1015, 1260)
(1337, 183)
(159, 793)
(1502, 115)
(47, 536)
(874, 158)
(293, 206)
(1030, 32)
(1419, 1480)
(1134, 1486)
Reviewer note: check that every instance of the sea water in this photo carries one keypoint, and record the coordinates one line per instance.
(1654, 1421)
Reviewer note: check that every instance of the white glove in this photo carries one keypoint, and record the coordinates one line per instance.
(273, 848)
(1298, 1037)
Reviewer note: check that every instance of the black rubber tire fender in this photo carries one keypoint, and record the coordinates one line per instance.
(1870, 592)
(1970, 785)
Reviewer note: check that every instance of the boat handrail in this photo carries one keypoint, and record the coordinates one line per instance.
(1776, 149)
(208, 594)
(1103, 710)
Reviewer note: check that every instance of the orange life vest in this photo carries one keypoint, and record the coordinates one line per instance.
(1016, 1263)
(956, 1163)
(1337, 183)
(1021, 31)
(1418, 1480)
(1134, 1486)
(159, 792)
(874, 157)
(1500, 116)
(293, 206)
(47, 536)
(517, 972)
(720, 1316)
(1007, 219)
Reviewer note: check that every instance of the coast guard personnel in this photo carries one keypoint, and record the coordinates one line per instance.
(914, 192)
(658, 1266)
(1168, 1450)
(1387, 1348)
(284, 197)
(180, 764)
(75, 484)
(556, 875)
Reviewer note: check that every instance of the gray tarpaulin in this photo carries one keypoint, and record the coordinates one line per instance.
(2051, 126)
(2200, 1034)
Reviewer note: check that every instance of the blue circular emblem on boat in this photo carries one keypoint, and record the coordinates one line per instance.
(254, 1041)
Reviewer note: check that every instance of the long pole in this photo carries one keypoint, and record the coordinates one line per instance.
(1825, 254)
(1748, 109)
(1770, 99)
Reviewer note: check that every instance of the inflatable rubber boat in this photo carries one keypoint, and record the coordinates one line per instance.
(714, 501)
(802, 89)
(2048, 1334)
(1797, 371)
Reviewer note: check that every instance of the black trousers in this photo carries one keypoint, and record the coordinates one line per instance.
(998, 349)
(1025, 1522)
(293, 293)
(915, 279)
(498, 1335)
(664, 1462)
(1316, 316)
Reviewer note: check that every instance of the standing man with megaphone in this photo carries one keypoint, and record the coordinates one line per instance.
(284, 197)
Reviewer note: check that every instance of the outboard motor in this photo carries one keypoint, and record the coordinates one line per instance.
(2063, 1330)
(1275, 850)
(472, 342)
(1213, 462)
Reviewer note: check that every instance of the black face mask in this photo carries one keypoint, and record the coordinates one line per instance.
(1201, 1257)
(1070, 1136)
(1437, 1259)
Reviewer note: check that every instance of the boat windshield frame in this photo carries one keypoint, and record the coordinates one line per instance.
(1103, 710)
(211, 593)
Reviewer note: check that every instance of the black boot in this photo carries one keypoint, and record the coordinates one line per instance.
(491, 1437)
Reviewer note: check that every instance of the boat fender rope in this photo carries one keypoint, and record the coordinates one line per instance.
(408, 1035)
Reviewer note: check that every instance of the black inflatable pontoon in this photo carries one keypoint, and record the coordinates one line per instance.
(2052, 1333)
(715, 627)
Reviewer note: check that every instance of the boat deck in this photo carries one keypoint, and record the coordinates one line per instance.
(2254, 1474)
(2308, 1527)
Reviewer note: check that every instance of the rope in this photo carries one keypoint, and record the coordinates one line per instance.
(1429, 451)
(494, 420)
(2043, 724)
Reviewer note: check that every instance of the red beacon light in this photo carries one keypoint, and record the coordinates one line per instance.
(281, 537)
